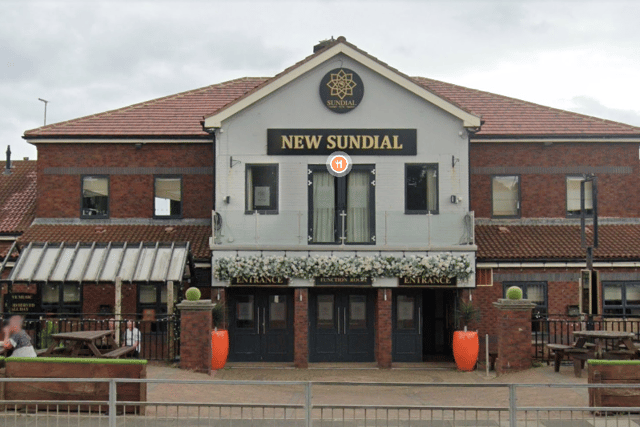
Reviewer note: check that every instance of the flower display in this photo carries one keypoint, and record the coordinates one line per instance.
(258, 267)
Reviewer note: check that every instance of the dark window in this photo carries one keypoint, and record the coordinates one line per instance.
(505, 196)
(261, 188)
(167, 201)
(621, 299)
(573, 196)
(95, 197)
(535, 292)
(421, 188)
(153, 296)
(342, 210)
(57, 298)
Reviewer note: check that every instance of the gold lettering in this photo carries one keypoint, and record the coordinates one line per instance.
(331, 142)
(395, 143)
(386, 143)
(286, 142)
(375, 142)
(298, 142)
(313, 141)
(367, 142)
(342, 142)
(354, 142)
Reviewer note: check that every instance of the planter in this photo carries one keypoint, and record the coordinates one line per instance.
(219, 348)
(465, 349)
(614, 372)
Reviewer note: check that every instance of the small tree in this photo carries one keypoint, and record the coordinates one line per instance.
(467, 313)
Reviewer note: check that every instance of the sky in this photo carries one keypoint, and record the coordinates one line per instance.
(88, 57)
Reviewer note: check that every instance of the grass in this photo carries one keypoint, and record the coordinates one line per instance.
(77, 360)
(613, 362)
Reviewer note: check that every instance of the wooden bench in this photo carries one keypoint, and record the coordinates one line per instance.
(119, 352)
(559, 351)
(579, 357)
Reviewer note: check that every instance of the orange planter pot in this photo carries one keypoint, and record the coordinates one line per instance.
(219, 349)
(465, 349)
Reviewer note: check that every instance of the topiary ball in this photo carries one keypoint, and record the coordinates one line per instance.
(514, 292)
(193, 294)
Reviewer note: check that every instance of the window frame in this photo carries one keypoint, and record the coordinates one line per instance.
(519, 214)
(524, 285)
(623, 285)
(108, 214)
(155, 180)
(566, 197)
(61, 306)
(275, 211)
(408, 211)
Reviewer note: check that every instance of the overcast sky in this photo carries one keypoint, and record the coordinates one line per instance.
(88, 57)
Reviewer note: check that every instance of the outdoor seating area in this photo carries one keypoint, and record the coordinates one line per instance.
(100, 344)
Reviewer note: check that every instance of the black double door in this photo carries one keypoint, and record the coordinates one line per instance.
(342, 325)
(261, 325)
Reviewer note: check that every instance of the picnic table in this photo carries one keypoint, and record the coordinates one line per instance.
(86, 343)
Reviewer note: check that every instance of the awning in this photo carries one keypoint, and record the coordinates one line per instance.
(101, 262)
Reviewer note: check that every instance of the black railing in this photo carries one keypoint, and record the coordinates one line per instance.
(160, 337)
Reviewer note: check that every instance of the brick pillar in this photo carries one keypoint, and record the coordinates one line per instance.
(195, 335)
(301, 328)
(514, 335)
(383, 328)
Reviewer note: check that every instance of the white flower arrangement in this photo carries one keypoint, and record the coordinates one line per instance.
(441, 265)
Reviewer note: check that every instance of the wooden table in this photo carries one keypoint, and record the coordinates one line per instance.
(76, 342)
(580, 352)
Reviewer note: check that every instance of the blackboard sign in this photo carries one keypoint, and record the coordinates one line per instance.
(428, 281)
(259, 281)
(21, 303)
(338, 281)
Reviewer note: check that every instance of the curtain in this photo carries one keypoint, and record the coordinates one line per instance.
(535, 293)
(633, 294)
(432, 187)
(92, 187)
(50, 294)
(71, 293)
(249, 189)
(358, 207)
(505, 195)
(324, 207)
(612, 294)
(168, 188)
(573, 194)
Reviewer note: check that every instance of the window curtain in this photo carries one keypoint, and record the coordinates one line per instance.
(168, 189)
(324, 207)
(93, 187)
(573, 195)
(535, 293)
(633, 294)
(71, 293)
(50, 294)
(505, 195)
(432, 193)
(358, 207)
(612, 293)
(249, 189)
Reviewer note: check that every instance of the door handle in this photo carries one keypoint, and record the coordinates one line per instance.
(344, 320)
(258, 322)
(338, 320)
(264, 320)
(420, 320)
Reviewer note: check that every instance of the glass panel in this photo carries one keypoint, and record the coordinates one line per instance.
(405, 312)
(573, 196)
(633, 294)
(326, 312)
(357, 312)
(262, 187)
(148, 294)
(612, 294)
(324, 207)
(50, 294)
(95, 196)
(421, 188)
(168, 197)
(245, 311)
(278, 312)
(358, 209)
(163, 293)
(505, 195)
(71, 293)
(535, 293)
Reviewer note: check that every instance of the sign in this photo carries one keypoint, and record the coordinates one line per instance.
(21, 303)
(149, 315)
(259, 281)
(372, 142)
(332, 281)
(432, 281)
(341, 90)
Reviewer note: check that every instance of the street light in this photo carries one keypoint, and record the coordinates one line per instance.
(45, 109)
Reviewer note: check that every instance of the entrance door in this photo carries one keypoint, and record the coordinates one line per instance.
(407, 326)
(261, 325)
(341, 326)
(438, 323)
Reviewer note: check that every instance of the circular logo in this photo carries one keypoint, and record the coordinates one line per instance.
(341, 90)
(339, 164)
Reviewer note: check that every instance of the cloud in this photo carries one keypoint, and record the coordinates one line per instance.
(593, 107)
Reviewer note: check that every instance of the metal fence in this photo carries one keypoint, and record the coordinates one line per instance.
(272, 403)
(160, 338)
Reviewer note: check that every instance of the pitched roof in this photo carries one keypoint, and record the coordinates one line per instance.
(17, 196)
(196, 235)
(554, 242)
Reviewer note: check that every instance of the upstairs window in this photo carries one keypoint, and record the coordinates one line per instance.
(421, 188)
(573, 196)
(95, 197)
(621, 299)
(168, 197)
(505, 196)
(261, 188)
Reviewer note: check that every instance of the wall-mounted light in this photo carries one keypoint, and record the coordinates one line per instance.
(454, 161)
(232, 163)
(218, 297)
(300, 296)
(385, 294)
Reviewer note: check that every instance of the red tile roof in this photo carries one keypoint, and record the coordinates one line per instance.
(554, 242)
(196, 235)
(17, 197)
(180, 115)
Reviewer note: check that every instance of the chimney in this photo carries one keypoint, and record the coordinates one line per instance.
(323, 44)
(7, 168)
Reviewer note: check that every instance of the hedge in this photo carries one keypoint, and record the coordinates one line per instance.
(78, 360)
(613, 362)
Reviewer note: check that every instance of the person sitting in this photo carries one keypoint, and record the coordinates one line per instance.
(17, 339)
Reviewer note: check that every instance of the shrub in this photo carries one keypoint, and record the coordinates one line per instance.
(193, 294)
(514, 293)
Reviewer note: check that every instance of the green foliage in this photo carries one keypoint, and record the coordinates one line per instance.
(49, 329)
(193, 294)
(467, 313)
(514, 293)
(81, 360)
(217, 315)
(613, 362)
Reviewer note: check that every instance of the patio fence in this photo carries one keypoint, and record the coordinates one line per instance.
(560, 331)
(160, 337)
(306, 404)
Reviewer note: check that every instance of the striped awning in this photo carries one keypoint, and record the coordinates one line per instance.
(101, 262)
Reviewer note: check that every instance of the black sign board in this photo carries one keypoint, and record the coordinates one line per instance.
(259, 281)
(428, 281)
(377, 142)
(21, 303)
(340, 281)
(341, 90)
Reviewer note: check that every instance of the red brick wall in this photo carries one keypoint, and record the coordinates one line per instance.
(383, 324)
(301, 328)
(514, 340)
(93, 296)
(195, 340)
(131, 196)
(544, 196)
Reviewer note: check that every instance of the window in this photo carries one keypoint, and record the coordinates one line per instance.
(154, 296)
(342, 210)
(535, 292)
(421, 188)
(95, 197)
(621, 298)
(573, 196)
(505, 196)
(167, 202)
(261, 189)
(56, 298)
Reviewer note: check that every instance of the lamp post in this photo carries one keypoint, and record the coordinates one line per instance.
(592, 299)
(45, 109)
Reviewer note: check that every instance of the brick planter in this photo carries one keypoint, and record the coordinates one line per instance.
(514, 335)
(614, 372)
